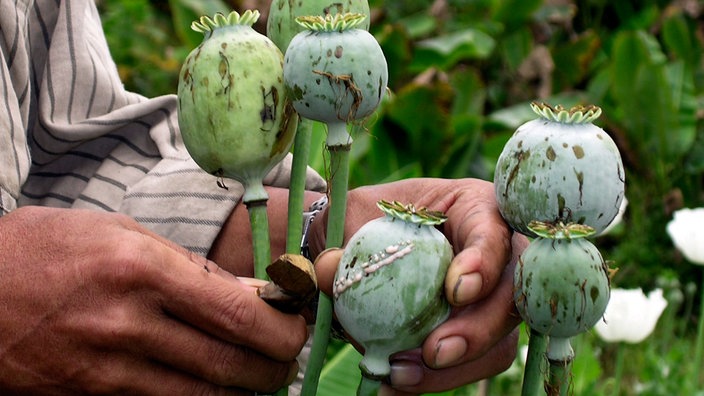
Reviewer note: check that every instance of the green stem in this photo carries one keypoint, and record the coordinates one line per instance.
(339, 168)
(559, 378)
(259, 221)
(535, 364)
(690, 296)
(699, 346)
(560, 357)
(668, 321)
(618, 370)
(368, 387)
(296, 190)
(299, 166)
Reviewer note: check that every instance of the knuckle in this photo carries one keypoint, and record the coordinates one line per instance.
(126, 261)
(239, 313)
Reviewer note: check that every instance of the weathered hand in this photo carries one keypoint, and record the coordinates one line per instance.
(479, 339)
(93, 303)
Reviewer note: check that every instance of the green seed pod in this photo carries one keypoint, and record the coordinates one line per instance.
(281, 26)
(561, 284)
(235, 117)
(334, 72)
(560, 168)
(388, 288)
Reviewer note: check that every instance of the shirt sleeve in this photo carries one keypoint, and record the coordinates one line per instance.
(95, 145)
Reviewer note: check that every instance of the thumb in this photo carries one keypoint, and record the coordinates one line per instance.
(325, 268)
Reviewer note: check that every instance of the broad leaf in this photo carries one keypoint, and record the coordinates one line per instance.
(341, 376)
(445, 51)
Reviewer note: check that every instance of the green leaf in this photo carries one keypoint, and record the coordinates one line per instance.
(683, 106)
(694, 163)
(396, 44)
(470, 94)
(575, 59)
(446, 50)
(516, 46)
(340, 375)
(382, 160)
(655, 99)
(679, 39)
(418, 25)
(464, 158)
(424, 129)
(515, 12)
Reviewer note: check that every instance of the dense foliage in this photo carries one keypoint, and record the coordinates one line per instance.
(461, 74)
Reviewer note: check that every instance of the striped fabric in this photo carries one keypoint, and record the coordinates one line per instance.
(71, 136)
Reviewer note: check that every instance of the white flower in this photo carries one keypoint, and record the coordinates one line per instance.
(617, 220)
(630, 316)
(687, 232)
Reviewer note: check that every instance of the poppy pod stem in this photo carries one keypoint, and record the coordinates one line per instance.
(535, 364)
(368, 387)
(259, 222)
(560, 356)
(299, 165)
(339, 165)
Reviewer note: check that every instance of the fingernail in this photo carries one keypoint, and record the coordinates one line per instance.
(404, 373)
(449, 351)
(467, 288)
(328, 251)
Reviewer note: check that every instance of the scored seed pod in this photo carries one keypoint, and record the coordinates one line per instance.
(334, 72)
(560, 168)
(388, 289)
(234, 115)
(281, 24)
(561, 282)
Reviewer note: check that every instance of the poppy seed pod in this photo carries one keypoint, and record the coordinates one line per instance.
(388, 288)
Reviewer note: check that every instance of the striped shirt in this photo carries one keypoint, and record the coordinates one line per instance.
(71, 136)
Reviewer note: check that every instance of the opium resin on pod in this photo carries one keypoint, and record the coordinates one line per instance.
(388, 289)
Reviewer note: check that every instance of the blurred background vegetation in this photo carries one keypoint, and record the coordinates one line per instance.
(462, 73)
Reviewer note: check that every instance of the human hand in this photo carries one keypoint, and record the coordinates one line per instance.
(479, 340)
(94, 303)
